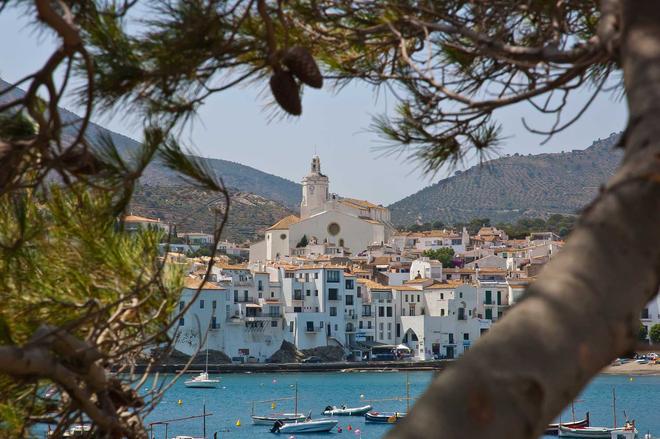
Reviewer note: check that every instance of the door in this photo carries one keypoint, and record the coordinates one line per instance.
(450, 352)
(489, 314)
(499, 297)
(488, 298)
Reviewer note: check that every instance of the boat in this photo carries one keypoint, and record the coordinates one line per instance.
(628, 431)
(383, 417)
(390, 417)
(332, 410)
(78, 430)
(306, 426)
(274, 417)
(271, 418)
(202, 380)
(553, 429)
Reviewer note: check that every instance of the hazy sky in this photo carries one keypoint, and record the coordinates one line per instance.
(235, 126)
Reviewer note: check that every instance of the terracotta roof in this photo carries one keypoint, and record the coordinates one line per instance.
(190, 282)
(418, 281)
(140, 219)
(363, 204)
(373, 285)
(284, 223)
(444, 285)
(404, 288)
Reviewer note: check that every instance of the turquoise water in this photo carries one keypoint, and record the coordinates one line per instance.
(230, 402)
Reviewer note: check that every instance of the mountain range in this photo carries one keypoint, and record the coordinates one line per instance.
(502, 189)
(515, 186)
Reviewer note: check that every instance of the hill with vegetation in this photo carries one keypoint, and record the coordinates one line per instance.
(235, 175)
(192, 209)
(513, 187)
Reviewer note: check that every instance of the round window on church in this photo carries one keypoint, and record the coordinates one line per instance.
(333, 229)
(283, 236)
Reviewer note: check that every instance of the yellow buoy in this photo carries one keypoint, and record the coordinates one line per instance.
(238, 423)
(631, 378)
(272, 406)
(179, 402)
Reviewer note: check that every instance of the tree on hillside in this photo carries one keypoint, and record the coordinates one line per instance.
(445, 255)
(452, 64)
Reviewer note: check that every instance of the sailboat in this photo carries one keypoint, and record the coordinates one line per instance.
(628, 431)
(271, 418)
(390, 417)
(202, 380)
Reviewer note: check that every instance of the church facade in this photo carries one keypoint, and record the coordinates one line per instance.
(325, 218)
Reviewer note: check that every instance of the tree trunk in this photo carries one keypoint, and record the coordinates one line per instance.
(583, 311)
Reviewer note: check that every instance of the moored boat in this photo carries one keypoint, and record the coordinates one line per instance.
(202, 381)
(628, 431)
(553, 429)
(274, 417)
(306, 426)
(332, 410)
(383, 417)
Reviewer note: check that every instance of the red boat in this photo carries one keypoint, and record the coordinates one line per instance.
(553, 429)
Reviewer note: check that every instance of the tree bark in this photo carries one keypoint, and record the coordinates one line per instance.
(583, 311)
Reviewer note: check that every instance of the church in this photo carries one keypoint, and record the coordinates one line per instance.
(325, 218)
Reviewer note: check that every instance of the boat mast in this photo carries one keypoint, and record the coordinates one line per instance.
(407, 393)
(295, 411)
(204, 415)
(206, 368)
(614, 406)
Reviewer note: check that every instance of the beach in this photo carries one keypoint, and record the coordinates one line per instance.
(633, 368)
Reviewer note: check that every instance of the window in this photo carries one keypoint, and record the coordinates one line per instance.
(380, 334)
(460, 295)
(466, 336)
(333, 276)
(442, 312)
(334, 229)
(310, 326)
(645, 313)
(336, 327)
(341, 243)
(214, 323)
(389, 311)
(308, 293)
(360, 324)
(406, 298)
(359, 291)
(321, 325)
(442, 296)
(297, 294)
(272, 294)
(201, 304)
(297, 309)
(316, 309)
(488, 298)
(316, 293)
(350, 284)
(245, 295)
(403, 312)
(349, 299)
(235, 296)
(418, 298)
(283, 236)
(398, 330)
(451, 338)
(306, 277)
(316, 275)
(332, 294)
(181, 321)
(273, 323)
(290, 326)
(381, 326)
(381, 311)
(182, 305)
(389, 326)
(260, 286)
(214, 304)
(369, 324)
(333, 311)
(366, 310)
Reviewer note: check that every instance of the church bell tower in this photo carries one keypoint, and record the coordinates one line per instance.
(314, 190)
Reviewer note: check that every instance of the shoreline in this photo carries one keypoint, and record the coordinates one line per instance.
(348, 367)
(633, 368)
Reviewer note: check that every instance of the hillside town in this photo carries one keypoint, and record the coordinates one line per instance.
(340, 275)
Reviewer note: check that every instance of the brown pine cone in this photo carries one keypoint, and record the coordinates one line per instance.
(286, 92)
(301, 63)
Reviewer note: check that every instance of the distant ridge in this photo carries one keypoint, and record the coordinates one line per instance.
(235, 175)
(515, 186)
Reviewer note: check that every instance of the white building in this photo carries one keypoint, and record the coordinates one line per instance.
(325, 218)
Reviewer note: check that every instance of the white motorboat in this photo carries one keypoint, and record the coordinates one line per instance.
(202, 380)
(346, 411)
(270, 419)
(306, 426)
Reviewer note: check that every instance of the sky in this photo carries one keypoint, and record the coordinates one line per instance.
(236, 126)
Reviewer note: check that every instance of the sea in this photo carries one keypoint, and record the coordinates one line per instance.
(230, 404)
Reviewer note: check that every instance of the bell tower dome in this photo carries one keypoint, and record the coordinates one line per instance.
(314, 190)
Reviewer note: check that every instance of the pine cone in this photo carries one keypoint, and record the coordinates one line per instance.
(301, 63)
(286, 92)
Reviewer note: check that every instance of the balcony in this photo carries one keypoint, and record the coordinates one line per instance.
(350, 316)
(244, 299)
(334, 297)
(313, 329)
